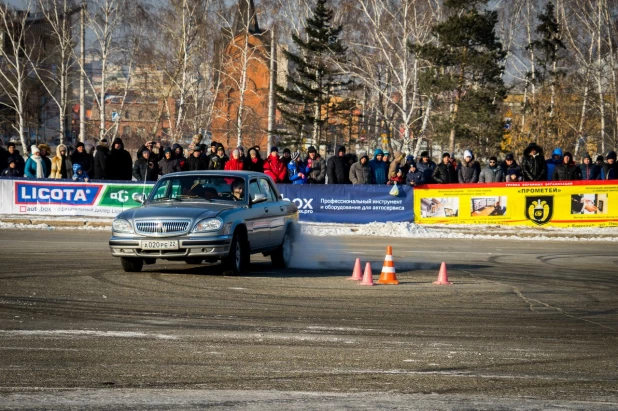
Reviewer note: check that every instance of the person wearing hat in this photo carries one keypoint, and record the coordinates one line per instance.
(168, 164)
(11, 170)
(599, 161)
(555, 160)
(297, 170)
(145, 168)
(316, 166)
(387, 159)
(119, 164)
(213, 150)
(492, 173)
(470, 169)
(610, 168)
(512, 170)
(405, 168)
(235, 163)
(399, 160)
(62, 168)
(254, 161)
(360, 172)
(79, 174)
(534, 167)
(589, 170)
(336, 168)
(415, 177)
(274, 166)
(196, 161)
(217, 161)
(445, 172)
(19, 160)
(179, 154)
(81, 157)
(426, 166)
(379, 168)
(100, 160)
(35, 167)
(567, 170)
(45, 152)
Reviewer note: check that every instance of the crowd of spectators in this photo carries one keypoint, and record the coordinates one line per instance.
(152, 160)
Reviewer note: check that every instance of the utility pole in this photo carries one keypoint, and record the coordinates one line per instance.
(271, 91)
(82, 90)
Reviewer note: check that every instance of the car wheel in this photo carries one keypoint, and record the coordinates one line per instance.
(282, 256)
(132, 265)
(238, 260)
(193, 260)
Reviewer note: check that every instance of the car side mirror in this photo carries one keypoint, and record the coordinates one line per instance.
(280, 196)
(139, 197)
(258, 198)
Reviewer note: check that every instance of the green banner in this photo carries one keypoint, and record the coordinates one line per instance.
(121, 195)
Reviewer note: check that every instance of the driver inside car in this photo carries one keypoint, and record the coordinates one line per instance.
(238, 188)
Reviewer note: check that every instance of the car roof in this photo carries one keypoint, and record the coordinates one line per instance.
(245, 174)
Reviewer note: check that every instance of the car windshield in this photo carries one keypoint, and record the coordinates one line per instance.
(199, 188)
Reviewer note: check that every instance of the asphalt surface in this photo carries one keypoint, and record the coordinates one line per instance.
(525, 325)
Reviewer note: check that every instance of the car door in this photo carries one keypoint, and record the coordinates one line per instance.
(258, 221)
(274, 210)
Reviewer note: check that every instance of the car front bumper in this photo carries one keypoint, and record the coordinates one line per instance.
(188, 247)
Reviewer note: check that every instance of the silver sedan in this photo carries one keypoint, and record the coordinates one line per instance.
(207, 215)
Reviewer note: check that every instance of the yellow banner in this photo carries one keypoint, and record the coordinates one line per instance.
(558, 204)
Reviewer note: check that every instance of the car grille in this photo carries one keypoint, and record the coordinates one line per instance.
(172, 227)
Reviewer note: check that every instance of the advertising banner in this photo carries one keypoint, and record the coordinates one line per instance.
(560, 204)
(357, 204)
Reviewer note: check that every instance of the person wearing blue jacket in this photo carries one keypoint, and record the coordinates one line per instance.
(415, 177)
(79, 174)
(590, 171)
(297, 170)
(35, 167)
(379, 168)
(556, 159)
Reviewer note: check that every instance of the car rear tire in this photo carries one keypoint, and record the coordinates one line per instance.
(132, 265)
(237, 261)
(282, 256)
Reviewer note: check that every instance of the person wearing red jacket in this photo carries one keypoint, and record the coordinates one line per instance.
(234, 163)
(274, 167)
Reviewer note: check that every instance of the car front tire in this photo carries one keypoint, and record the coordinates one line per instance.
(237, 261)
(132, 265)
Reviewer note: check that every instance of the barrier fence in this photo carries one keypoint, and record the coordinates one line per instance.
(564, 204)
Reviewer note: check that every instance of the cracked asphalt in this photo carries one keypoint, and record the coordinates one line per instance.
(525, 325)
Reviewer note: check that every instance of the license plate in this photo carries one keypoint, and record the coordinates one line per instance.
(159, 245)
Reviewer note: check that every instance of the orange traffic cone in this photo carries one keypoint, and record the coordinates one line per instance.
(356, 274)
(367, 276)
(388, 275)
(442, 276)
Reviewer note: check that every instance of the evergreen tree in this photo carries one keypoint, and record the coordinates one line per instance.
(314, 86)
(548, 52)
(466, 75)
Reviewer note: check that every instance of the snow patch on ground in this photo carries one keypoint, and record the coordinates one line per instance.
(92, 333)
(43, 226)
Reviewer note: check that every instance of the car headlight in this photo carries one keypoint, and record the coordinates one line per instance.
(208, 224)
(121, 226)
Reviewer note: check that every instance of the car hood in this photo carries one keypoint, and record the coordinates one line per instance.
(176, 210)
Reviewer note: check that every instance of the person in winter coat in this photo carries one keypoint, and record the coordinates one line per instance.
(470, 169)
(274, 166)
(610, 168)
(336, 168)
(316, 166)
(223, 158)
(555, 160)
(81, 157)
(119, 162)
(297, 170)
(61, 164)
(360, 172)
(254, 162)
(4, 156)
(379, 168)
(426, 166)
(512, 170)
(445, 172)
(196, 161)
(405, 168)
(396, 164)
(234, 163)
(11, 170)
(168, 164)
(415, 177)
(145, 169)
(19, 160)
(492, 173)
(79, 174)
(287, 157)
(589, 170)
(35, 167)
(567, 171)
(213, 150)
(100, 160)
(178, 154)
(45, 152)
(534, 167)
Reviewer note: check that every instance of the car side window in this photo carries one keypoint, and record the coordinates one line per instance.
(267, 189)
(161, 190)
(254, 188)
